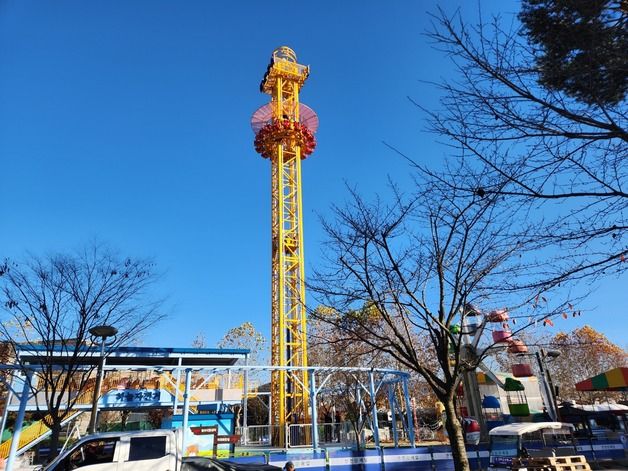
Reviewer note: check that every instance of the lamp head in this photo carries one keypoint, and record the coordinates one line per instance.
(103, 331)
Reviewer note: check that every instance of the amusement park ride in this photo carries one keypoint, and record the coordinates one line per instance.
(284, 134)
(185, 379)
(199, 381)
(475, 324)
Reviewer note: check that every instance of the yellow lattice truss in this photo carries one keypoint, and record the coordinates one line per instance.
(289, 388)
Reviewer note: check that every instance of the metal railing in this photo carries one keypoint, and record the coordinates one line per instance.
(35, 431)
(297, 435)
(29, 435)
(256, 435)
(336, 433)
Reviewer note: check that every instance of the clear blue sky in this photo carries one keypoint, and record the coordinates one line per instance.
(128, 121)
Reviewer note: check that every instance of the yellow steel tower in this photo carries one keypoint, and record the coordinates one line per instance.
(284, 134)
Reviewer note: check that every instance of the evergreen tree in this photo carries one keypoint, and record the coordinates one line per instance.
(582, 47)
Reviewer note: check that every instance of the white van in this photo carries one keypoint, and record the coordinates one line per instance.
(529, 439)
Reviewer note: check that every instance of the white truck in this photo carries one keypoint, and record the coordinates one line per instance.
(154, 450)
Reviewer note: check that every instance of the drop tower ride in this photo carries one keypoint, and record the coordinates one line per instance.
(284, 134)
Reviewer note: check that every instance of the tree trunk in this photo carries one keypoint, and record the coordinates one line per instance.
(124, 417)
(456, 437)
(55, 431)
(356, 430)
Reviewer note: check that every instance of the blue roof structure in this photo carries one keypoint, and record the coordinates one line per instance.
(134, 356)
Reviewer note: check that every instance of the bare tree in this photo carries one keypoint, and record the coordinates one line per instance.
(329, 346)
(411, 268)
(246, 336)
(565, 158)
(199, 341)
(55, 301)
(342, 397)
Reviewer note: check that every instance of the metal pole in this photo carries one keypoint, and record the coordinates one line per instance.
(314, 410)
(99, 375)
(374, 409)
(175, 404)
(553, 391)
(245, 398)
(186, 409)
(5, 414)
(19, 420)
(271, 428)
(392, 402)
(409, 414)
(270, 415)
(548, 396)
(335, 429)
(474, 401)
(358, 398)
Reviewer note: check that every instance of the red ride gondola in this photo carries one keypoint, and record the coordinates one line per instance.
(502, 336)
(517, 346)
(498, 315)
(522, 370)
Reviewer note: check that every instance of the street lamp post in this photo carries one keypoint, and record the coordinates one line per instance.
(102, 332)
(547, 380)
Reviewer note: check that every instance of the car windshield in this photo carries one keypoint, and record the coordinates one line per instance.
(546, 440)
(85, 454)
(504, 445)
(561, 438)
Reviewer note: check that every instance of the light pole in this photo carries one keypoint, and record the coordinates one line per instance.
(547, 380)
(103, 332)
